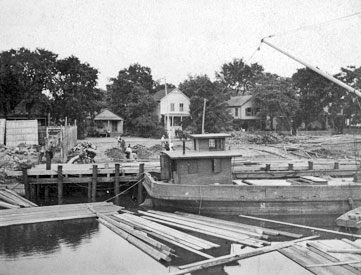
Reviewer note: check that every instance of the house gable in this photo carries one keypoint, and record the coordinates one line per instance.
(107, 115)
(243, 107)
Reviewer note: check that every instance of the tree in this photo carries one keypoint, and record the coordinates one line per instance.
(26, 76)
(217, 117)
(75, 95)
(239, 76)
(130, 95)
(276, 98)
(350, 103)
(316, 92)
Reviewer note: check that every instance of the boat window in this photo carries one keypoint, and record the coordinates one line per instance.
(216, 165)
(212, 143)
(192, 167)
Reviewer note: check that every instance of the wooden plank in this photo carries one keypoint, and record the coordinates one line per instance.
(231, 258)
(136, 242)
(302, 226)
(176, 235)
(205, 223)
(257, 229)
(246, 241)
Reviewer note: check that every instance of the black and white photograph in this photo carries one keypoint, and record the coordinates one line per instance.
(156, 137)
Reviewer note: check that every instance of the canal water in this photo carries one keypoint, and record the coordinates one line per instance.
(86, 247)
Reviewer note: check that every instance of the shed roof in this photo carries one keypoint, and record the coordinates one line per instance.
(211, 135)
(202, 154)
(239, 100)
(107, 115)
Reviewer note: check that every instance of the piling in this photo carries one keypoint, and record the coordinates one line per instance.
(60, 184)
(310, 165)
(116, 184)
(140, 184)
(336, 165)
(89, 191)
(94, 183)
(48, 160)
(26, 183)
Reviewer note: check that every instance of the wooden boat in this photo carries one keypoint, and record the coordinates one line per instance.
(201, 182)
(351, 219)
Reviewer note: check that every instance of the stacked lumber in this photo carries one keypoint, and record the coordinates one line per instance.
(327, 256)
(10, 199)
(55, 213)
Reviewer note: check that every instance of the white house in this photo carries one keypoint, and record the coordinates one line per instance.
(173, 105)
(243, 109)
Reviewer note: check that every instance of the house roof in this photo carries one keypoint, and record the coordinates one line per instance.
(160, 94)
(239, 100)
(107, 115)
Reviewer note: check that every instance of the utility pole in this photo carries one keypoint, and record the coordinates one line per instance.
(204, 114)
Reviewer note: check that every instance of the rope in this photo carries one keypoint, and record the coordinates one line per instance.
(317, 24)
(121, 193)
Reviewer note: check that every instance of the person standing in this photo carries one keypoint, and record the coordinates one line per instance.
(128, 152)
(162, 141)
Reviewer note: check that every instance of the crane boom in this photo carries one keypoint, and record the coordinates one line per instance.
(329, 77)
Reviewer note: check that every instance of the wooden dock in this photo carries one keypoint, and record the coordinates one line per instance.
(55, 213)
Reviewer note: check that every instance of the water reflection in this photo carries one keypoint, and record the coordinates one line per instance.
(45, 238)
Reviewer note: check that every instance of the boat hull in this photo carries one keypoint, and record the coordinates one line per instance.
(253, 200)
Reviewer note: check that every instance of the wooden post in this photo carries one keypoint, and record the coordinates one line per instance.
(46, 192)
(268, 167)
(290, 166)
(89, 191)
(310, 165)
(60, 184)
(140, 184)
(26, 183)
(336, 166)
(116, 184)
(48, 160)
(94, 182)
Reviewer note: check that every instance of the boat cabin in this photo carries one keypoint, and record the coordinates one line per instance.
(197, 167)
(210, 142)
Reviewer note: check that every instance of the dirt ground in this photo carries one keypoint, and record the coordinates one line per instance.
(250, 146)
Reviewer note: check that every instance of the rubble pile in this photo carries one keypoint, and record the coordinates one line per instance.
(17, 158)
(269, 138)
(116, 154)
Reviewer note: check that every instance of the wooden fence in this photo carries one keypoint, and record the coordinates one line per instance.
(2, 131)
(21, 131)
(63, 138)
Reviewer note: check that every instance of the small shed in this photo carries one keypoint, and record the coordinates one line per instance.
(197, 167)
(108, 122)
(209, 142)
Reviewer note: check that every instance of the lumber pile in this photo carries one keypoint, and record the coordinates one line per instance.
(10, 199)
(55, 213)
(147, 229)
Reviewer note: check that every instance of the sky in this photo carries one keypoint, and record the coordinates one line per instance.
(179, 38)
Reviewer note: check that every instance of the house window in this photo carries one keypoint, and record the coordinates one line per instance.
(181, 107)
(249, 111)
(236, 112)
(212, 143)
(172, 107)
